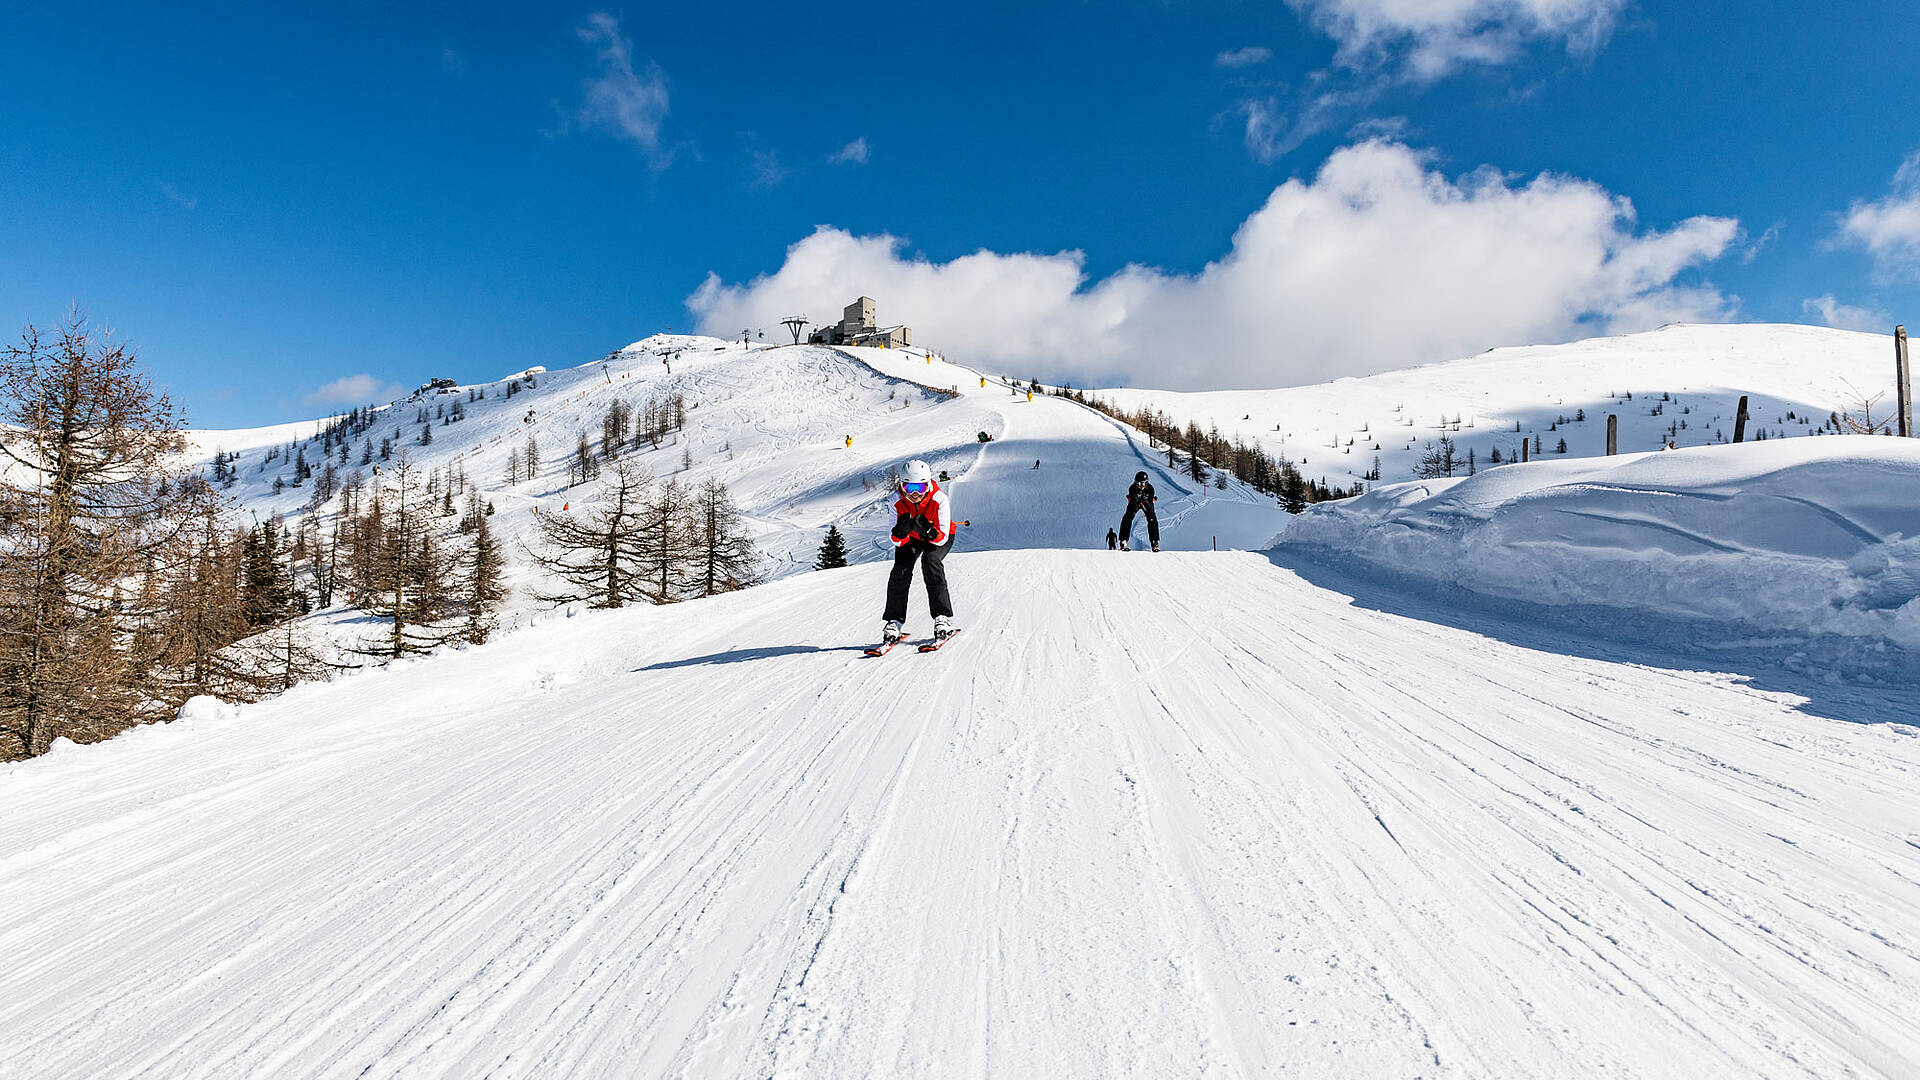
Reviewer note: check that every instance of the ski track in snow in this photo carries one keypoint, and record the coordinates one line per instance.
(1173, 816)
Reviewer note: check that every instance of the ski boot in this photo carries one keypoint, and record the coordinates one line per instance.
(892, 632)
(1156, 545)
(942, 627)
(1124, 547)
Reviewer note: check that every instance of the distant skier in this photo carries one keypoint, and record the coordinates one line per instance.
(922, 530)
(1113, 539)
(1140, 497)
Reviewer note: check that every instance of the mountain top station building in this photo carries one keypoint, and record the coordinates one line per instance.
(858, 326)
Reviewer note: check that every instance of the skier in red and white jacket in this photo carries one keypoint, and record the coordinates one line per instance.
(923, 531)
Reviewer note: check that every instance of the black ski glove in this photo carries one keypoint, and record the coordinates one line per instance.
(903, 528)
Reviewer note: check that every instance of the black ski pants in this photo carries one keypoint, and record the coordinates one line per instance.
(931, 568)
(1153, 522)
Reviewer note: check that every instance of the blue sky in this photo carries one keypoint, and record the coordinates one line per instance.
(270, 202)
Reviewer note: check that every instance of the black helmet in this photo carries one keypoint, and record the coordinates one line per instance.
(1141, 475)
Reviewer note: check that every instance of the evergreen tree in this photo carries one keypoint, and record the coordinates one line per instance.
(833, 550)
(530, 460)
(266, 587)
(1293, 489)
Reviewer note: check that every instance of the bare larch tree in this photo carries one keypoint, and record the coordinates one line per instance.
(89, 504)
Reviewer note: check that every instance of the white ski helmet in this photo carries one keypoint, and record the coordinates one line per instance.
(917, 472)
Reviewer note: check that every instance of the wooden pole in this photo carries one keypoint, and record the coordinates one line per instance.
(1740, 421)
(1613, 434)
(1903, 381)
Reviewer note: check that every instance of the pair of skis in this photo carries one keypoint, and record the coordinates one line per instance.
(886, 647)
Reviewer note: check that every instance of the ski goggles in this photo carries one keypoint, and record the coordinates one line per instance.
(915, 487)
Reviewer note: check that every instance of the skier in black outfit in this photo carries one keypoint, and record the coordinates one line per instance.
(1140, 497)
(1112, 539)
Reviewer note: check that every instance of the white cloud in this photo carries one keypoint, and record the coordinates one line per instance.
(1427, 39)
(361, 389)
(1765, 241)
(854, 153)
(1384, 45)
(1888, 228)
(179, 198)
(768, 171)
(1250, 56)
(1268, 134)
(1841, 316)
(618, 99)
(1379, 262)
(1271, 134)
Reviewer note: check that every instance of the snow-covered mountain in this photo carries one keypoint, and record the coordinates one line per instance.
(1680, 384)
(1235, 813)
(772, 423)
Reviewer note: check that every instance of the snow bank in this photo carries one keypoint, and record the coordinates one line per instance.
(1790, 539)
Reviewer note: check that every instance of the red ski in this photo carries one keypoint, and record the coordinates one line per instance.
(885, 647)
(934, 645)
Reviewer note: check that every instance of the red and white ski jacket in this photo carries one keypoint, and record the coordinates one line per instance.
(934, 508)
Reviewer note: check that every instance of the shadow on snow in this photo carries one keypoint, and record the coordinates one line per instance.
(745, 656)
(1839, 679)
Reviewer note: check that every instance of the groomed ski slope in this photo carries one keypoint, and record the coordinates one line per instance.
(1184, 815)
